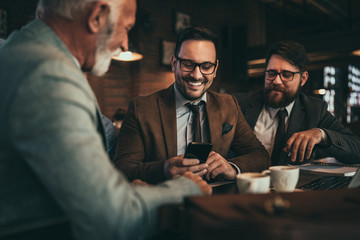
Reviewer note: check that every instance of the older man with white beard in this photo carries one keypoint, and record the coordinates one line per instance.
(52, 141)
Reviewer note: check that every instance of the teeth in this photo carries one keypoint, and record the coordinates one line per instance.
(195, 84)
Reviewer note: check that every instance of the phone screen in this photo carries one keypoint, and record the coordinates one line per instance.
(198, 150)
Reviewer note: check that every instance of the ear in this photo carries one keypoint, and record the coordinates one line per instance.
(173, 62)
(98, 17)
(304, 77)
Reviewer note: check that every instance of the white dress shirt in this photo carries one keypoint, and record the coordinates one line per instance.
(184, 121)
(267, 123)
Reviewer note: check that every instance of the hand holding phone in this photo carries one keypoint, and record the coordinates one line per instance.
(198, 150)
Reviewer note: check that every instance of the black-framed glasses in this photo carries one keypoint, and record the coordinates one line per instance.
(187, 65)
(285, 76)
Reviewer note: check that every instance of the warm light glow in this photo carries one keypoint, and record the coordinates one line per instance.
(128, 56)
(356, 52)
(257, 61)
(259, 71)
(320, 91)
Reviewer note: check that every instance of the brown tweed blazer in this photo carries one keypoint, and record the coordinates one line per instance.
(148, 135)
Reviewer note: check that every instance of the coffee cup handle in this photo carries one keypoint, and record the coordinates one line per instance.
(267, 172)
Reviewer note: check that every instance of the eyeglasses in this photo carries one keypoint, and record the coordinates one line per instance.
(285, 76)
(187, 65)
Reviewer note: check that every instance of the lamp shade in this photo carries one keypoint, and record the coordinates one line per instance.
(128, 56)
(131, 55)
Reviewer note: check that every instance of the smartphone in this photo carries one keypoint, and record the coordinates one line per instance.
(198, 150)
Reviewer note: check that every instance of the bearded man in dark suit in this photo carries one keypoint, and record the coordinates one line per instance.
(308, 126)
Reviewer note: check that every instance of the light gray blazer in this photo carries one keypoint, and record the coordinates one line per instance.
(52, 147)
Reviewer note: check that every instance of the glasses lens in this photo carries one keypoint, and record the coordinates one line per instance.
(187, 66)
(286, 75)
(207, 68)
(270, 74)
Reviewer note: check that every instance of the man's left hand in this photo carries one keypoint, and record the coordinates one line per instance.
(219, 166)
(301, 144)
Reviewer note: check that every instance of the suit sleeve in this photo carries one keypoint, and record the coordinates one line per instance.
(251, 155)
(56, 134)
(344, 145)
(131, 157)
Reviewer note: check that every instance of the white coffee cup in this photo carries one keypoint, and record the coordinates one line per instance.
(253, 182)
(284, 178)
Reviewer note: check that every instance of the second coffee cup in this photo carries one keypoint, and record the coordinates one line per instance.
(283, 178)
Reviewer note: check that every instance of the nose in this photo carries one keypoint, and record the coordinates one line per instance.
(196, 73)
(277, 80)
(124, 44)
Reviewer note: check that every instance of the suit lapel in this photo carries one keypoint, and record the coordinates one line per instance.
(56, 41)
(252, 113)
(213, 112)
(297, 116)
(167, 108)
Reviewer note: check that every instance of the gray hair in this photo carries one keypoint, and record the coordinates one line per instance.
(69, 8)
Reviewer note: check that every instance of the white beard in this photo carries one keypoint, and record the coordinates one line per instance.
(102, 61)
(102, 53)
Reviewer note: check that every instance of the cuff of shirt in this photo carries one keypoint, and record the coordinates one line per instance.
(324, 138)
(237, 169)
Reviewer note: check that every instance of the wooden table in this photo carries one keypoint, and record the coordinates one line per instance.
(310, 215)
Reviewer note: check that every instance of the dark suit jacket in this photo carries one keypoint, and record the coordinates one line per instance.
(308, 112)
(148, 135)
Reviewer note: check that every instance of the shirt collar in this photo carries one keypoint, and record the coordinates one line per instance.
(181, 100)
(273, 111)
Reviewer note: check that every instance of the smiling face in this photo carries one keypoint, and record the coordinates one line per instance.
(278, 93)
(193, 85)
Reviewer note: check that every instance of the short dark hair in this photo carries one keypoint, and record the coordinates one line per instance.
(291, 51)
(194, 33)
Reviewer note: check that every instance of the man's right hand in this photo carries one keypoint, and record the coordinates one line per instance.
(301, 144)
(204, 187)
(177, 166)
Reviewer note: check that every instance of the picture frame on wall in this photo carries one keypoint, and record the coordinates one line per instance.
(168, 48)
(3, 23)
(182, 21)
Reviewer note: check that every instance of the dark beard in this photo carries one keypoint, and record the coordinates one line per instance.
(285, 101)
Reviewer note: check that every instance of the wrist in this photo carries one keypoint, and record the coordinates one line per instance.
(235, 168)
(324, 140)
